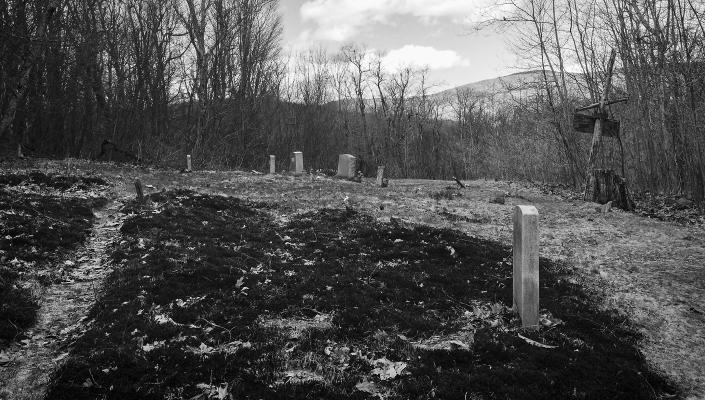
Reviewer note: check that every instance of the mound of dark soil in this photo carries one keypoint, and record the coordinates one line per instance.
(212, 298)
(37, 232)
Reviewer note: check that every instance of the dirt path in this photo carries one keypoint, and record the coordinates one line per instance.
(63, 306)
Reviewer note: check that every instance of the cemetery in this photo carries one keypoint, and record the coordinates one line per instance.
(341, 199)
(248, 285)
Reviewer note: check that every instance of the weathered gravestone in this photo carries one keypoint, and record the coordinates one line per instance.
(188, 163)
(526, 265)
(272, 165)
(380, 175)
(297, 163)
(347, 166)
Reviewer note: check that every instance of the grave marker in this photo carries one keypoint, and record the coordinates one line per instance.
(347, 166)
(188, 163)
(138, 189)
(380, 175)
(298, 163)
(272, 165)
(526, 265)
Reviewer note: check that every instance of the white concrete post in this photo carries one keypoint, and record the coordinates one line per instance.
(526, 265)
(272, 165)
(298, 163)
(380, 175)
(188, 162)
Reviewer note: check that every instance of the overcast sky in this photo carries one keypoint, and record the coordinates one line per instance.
(436, 33)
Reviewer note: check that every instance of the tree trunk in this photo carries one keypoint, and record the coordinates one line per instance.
(28, 65)
(609, 186)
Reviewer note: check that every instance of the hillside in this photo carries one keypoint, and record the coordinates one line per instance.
(514, 86)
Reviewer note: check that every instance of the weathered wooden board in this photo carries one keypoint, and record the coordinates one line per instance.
(586, 123)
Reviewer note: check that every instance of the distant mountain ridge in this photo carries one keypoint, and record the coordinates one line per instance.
(495, 92)
(513, 84)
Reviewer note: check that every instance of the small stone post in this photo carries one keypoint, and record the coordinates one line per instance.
(272, 165)
(138, 189)
(526, 265)
(380, 175)
(188, 163)
(298, 163)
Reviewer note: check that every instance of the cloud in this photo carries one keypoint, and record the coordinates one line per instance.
(339, 20)
(421, 57)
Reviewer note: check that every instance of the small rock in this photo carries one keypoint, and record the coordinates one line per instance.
(683, 203)
(498, 199)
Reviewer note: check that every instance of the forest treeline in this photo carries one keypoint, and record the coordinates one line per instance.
(165, 78)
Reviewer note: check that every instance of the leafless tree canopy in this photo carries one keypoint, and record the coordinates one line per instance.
(163, 78)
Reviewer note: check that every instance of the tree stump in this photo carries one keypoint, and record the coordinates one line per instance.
(607, 186)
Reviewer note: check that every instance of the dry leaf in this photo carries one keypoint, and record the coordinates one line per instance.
(535, 343)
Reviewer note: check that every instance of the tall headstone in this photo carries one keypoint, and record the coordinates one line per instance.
(272, 165)
(380, 175)
(188, 163)
(347, 166)
(526, 265)
(298, 163)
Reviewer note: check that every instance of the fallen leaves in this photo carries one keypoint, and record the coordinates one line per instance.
(371, 387)
(4, 358)
(219, 392)
(386, 369)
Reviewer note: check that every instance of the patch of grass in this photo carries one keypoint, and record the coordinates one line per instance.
(57, 182)
(448, 193)
(37, 231)
(211, 298)
(473, 218)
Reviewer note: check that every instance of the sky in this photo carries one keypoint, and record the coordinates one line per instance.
(437, 34)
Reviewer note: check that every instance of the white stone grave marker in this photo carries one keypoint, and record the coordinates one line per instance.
(272, 165)
(298, 163)
(188, 163)
(526, 265)
(347, 166)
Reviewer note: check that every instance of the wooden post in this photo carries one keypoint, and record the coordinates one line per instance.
(526, 265)
(597, 132)
(298, 163)
(188, 163)
(138, 189)
(380, 175)
(272, 165)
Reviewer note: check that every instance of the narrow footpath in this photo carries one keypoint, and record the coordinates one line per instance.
(26, 373)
